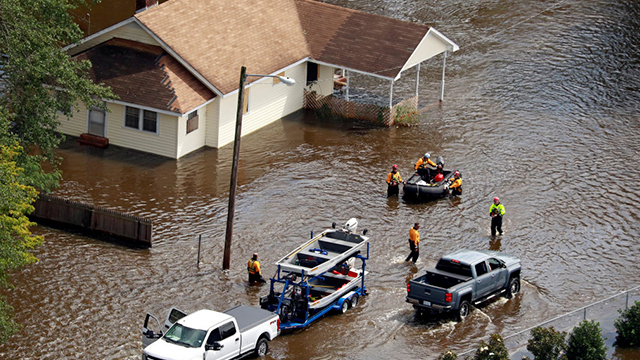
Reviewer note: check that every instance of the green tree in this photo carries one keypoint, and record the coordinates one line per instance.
(628, 327)
(547, 344)
(585, 342)
(495, 350)
(38, 78)
(448, 355)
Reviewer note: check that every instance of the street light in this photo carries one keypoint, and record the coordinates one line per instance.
(236, 152)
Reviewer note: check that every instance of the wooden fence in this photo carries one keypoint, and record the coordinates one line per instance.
(352, 110)
(118, 226)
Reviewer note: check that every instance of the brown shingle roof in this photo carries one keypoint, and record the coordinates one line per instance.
(143, 74)
(358, 40)
(218, 37)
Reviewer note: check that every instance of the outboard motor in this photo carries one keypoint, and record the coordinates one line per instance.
(351, 225)
(440, 161)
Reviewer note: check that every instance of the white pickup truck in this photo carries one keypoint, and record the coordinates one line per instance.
(210, 335)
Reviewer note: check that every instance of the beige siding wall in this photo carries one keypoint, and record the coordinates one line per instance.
(212, 120)
(325, 80)
(131, 31)
(77, 124)
(268, 102)
(195, 139)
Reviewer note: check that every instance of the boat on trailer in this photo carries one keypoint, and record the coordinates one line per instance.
(319, 276)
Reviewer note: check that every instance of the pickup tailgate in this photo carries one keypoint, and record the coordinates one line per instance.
(423, 294)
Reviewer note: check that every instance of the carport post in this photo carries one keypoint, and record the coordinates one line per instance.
(391, 95)
(444, 63)
(417, 79)
(347, 92)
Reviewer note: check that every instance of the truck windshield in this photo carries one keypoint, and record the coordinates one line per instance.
(185, 336)
(456, 268)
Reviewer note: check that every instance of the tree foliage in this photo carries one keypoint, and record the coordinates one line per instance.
(547, 343)
(628, 327)
(494, 350)
(37, 79)
(586, 343)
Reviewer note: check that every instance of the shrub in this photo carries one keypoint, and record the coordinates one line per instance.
(585, 342)
(406, 116)
(628, 327)
(448, 355)
(547, 344)
(495, 350)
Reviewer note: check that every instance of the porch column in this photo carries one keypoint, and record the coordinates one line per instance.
(347, 92)
(417, 79)
(444, 63)
(391, 95)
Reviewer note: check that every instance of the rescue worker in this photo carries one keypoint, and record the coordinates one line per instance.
(253, 267)
(496, 211)
(421, 166)
(414, 242)
(456, 184)
(393, 180)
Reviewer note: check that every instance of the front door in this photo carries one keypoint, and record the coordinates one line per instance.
(97, 121)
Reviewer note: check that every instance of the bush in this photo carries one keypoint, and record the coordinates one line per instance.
(628, 327)
(495, 350)
(586, 343)
(448, 355)
(547, 344)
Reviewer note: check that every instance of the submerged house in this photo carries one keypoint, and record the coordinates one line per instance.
(176, 67)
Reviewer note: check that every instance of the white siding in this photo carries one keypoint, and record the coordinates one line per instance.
(212, 120)
(195, 139)
(267, 103)
(164, 143)
(325, 80)
(75, 125)
(131, 31)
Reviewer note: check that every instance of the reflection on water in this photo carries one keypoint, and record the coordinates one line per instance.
(541, 109)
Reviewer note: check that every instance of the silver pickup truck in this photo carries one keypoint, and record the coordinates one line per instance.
(463, 278)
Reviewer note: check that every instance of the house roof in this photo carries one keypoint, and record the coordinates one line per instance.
(217, 37)
(143, 74)
(368, 43)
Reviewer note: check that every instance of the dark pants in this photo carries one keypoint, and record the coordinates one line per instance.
(457, 191)
(393, 190)
(415, 252)
(496, 223)
(256, 278)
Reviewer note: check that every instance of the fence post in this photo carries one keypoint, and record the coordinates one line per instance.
(585, 314)
(199, 242)
(626, 305)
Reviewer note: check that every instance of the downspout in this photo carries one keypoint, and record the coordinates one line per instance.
(444, 63)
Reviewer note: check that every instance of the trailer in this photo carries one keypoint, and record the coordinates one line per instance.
(319, 277)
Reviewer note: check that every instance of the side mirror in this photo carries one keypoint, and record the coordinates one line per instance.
(215, 346)
(148, 333)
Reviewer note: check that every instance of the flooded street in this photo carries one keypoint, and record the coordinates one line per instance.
(541, 108)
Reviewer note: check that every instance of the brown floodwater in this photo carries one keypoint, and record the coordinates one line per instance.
(542, 108)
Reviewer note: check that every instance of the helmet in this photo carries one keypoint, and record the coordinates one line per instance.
(456, 174)
(394, 167)
(427, 155)
(496, 200)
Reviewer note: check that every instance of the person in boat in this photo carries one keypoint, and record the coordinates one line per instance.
(439, 175)
(414, 242)
(253, 267)
(456, 184)
(497, 212)
(393, 181)
(421, 166)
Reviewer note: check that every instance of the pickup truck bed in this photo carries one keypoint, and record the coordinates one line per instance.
(248, 316)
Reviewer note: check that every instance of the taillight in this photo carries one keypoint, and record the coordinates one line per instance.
(278, 323)
(448, 297)
(408, 287)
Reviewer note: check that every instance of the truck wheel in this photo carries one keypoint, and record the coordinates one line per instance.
(464, 310)
(262, 347)
(345, 306)
(514, 287)
(354, 300)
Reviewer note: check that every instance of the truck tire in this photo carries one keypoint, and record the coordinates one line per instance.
(262, 347)
(514, 287)
(354, 300)
(345, 306)
(463, 310)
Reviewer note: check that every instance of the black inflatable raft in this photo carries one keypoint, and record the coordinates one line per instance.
(422, 186)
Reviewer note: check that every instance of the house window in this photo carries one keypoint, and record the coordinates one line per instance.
(277, 80)
(192, 121)
(140, 119)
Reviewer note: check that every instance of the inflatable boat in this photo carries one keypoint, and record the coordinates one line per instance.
(427, 185)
